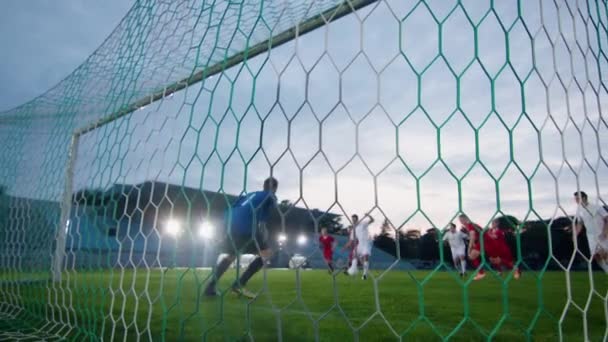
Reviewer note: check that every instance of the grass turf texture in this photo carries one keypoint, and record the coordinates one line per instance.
(418, 305)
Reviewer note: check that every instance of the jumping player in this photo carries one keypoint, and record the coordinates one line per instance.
(595, 219)
(474, 250)
(364, 244)
(351, 245)
(246, 234)
(497, 249)
(456, 240)
(327, 243)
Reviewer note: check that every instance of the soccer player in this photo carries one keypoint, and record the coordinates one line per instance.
(364, 244)
(595, 219)
(497, 249)
(351, 245)
(455, 238)
(246, 234)
(474, 250)
(327, 243)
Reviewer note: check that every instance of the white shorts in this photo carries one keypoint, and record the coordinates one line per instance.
(595, 244)
(458, 252)
(364, 248)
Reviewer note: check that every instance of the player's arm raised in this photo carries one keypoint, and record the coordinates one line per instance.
(371, 219)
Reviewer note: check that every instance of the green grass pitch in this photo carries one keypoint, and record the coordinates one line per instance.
(424, 306)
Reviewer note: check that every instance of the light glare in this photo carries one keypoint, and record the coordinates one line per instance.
(282, 238)
(302, 240)
(173, 227)
(206, 231)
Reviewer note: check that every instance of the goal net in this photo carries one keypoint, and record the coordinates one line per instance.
(119, 185)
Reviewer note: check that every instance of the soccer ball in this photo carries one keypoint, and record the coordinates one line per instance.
(352, 271)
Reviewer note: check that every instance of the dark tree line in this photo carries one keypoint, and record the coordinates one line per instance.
(164, 200)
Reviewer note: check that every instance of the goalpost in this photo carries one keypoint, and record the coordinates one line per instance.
(412, 111)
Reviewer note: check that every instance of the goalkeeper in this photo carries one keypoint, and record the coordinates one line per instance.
(246, 233)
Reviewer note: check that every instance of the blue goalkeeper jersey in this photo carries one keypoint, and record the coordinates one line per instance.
(249, 210)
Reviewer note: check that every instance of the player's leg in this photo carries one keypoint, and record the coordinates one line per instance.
(253, 267)
(492, 253)
(475, 260)
(474, 255)
(495, 263)
(604, 256)
(354, 265)
(463, 264)
(328, 260)
(506, 258)
(365, 265)
(459, 260)
(600, 253)
(259, 246)
(456, 262)
(229, 246)
(507, 261)
(516, 273)
(220, 268)
(365, 250)
(350, 260)
(603, 262)
(601, 257)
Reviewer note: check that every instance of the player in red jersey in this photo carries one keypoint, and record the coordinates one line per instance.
(474, 250)
(496, 248)
(327, 243)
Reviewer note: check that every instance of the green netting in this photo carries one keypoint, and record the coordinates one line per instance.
(115, 182)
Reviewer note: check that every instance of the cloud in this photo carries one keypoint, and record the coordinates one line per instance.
(210, 136)
(44, 43)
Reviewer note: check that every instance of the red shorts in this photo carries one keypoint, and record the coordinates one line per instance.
(498, 250)
(328, 255)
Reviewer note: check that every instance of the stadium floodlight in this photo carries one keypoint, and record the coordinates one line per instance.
(302, 240)
(282, 238)
(206, 231)
(173, 227)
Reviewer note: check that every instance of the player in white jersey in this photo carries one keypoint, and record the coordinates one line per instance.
(595, 219)
(456, 239)
(364, 244)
